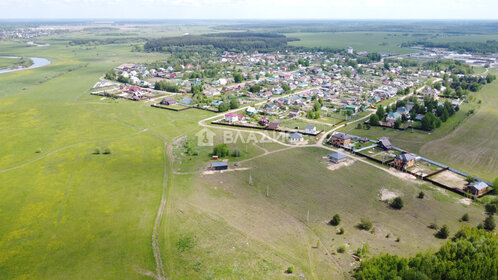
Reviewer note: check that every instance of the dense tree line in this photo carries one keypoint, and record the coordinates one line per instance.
(163, 85)
(472, 254)
(490, 46)
(231, 41)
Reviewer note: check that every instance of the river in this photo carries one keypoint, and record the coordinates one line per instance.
(37, 63)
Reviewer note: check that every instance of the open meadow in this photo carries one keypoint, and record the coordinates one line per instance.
(100, 188)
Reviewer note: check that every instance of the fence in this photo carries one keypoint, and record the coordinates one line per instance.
(171, 109)
(266, 128)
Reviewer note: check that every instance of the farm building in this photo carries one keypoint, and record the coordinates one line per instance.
(296, 137)
(168, 101)
(385, 144)
(220, 165)
(477, 188)
(337, 157)
(341, 139)
(404, 161)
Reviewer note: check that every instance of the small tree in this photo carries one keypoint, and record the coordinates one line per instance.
(374, 120)
(489, 223)
(443, 233)
(341, 231)
(290, 270)
(365, 224)
(335, 220)
(465, 217)
(397, 203)
(107, 151)
(341, 249)
(421, 195)
(490, 209)
(221, 150)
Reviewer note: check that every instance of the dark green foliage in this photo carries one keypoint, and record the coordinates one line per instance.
(185, 243)
(163, 85)
(336, 220)
(106, 151)
(429, 121)
(341, 231)
(123, 79)
(236, 153)
(111, 75)
(365, 224)
(231, 41)
(443, 232)
(290, 270)
(341, 249)
(221, 150)
(490, 208)
(374, 119)
(421, 195)
(223, 107)
(472, 254)
(255, 88)
(234, 103)
(397, 203)
(489, 223)
(465, 217)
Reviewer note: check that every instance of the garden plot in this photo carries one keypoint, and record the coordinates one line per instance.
(450, 179)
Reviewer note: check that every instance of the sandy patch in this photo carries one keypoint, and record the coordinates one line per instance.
(335, 166)
(386, 194)
(465, 201)
(403, 176)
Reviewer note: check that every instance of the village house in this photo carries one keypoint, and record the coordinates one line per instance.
(232, 117)
(296, 137)
(477, 188)
(384, 143)
(168, 101)
(337, 157)
(311, 129)
(404, 161)
(341, 139)
(274, 125)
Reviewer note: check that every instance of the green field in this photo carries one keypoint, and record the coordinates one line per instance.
(387, 42)
(69, 211)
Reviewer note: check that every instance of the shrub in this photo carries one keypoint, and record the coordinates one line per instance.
(221, 150)
(341, 249)
(236, 153)
(397, 203)
(443, 233)
(335, 220)
(489, 223)
(341, 231)
(421, 195)
(365, 224)
(398, 239)
(490, 209)
(388, 235)
(185, 243)
(290, 270)
(96, 151)
(39, 150)
(107, 151)
(465, 217)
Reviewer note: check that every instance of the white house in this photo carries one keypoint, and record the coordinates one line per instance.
(232, 117)
(310, 129)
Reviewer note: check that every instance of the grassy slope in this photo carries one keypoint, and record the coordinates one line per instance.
(300, 182)
(472, 147)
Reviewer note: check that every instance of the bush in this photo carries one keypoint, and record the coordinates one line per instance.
(433, 226)
(421, 195)
(290, 270)
(490, 209)
(107, 151)
(443, 233)
(335, 220)
(397, 203)
(489, 223)
(341, 231)
(221, 150)
(465, 217)
(341, 249)
(236, 153)
(96, 151)
(365, 224)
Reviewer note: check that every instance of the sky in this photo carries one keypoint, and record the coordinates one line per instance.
(249, 9)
